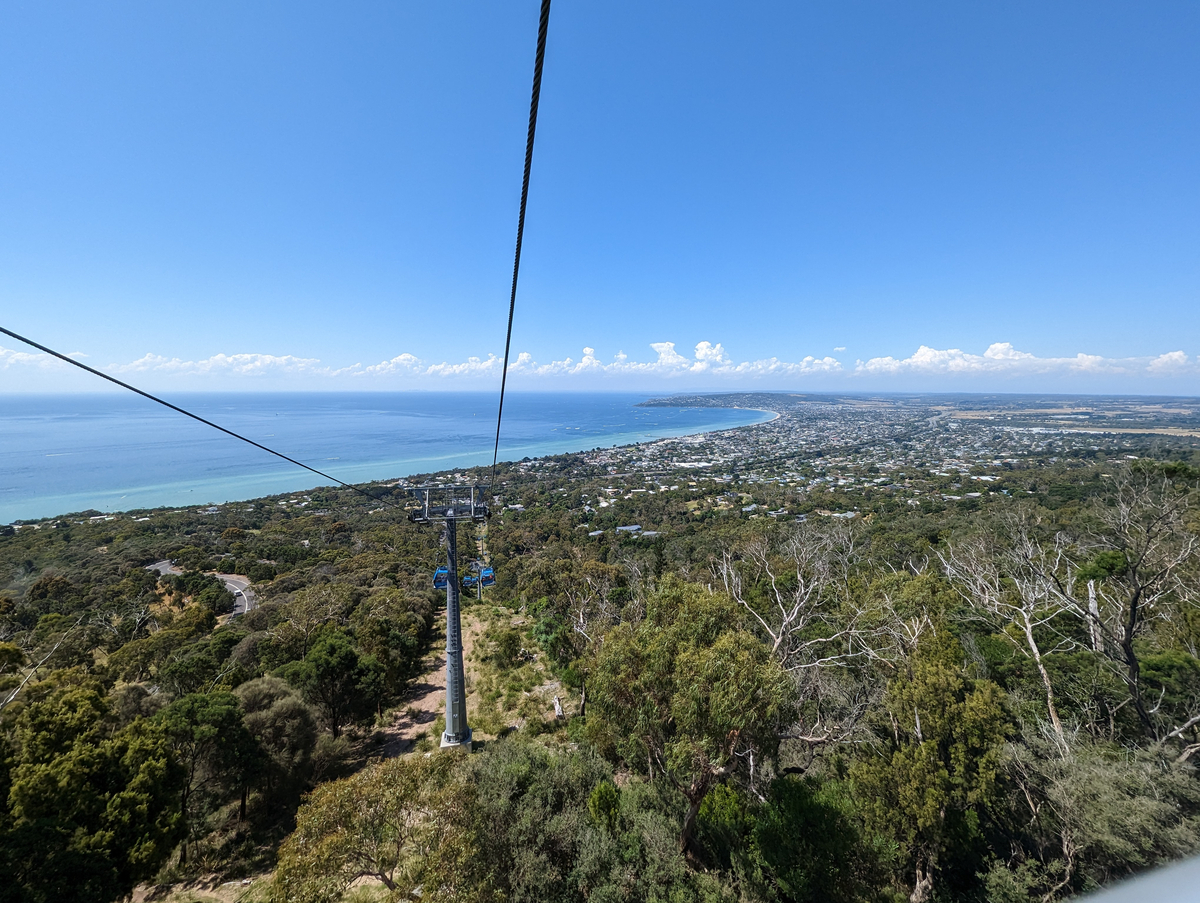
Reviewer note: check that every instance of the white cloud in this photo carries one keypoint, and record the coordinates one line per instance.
(11, 358)
(406, 364)
(237, 364)
(472, 366)
(1170, 364)
(710, 354)
(668, 357)
(708, 364)
(707, 359)
(774, 366)
(1003, 359)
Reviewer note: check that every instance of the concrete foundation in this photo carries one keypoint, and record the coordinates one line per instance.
(447, 743)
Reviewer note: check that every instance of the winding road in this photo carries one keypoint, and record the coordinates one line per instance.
(244, 598)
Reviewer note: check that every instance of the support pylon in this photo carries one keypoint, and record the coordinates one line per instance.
(457, 732)
(449, 505)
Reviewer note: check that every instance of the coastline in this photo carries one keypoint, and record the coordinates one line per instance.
(272, 481)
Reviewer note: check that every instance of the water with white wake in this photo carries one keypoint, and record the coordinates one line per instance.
(61, 454)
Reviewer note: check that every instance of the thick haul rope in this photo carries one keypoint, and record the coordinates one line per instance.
(543, 23)
(174, 407)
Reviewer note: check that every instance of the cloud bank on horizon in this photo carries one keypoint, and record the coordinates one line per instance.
(1000, 365)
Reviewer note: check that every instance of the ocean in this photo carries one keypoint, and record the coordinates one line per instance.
(67, 453)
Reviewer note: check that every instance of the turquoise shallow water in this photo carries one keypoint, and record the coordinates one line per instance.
(61, 454)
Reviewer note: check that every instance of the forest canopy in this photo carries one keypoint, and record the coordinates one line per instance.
(990, 701)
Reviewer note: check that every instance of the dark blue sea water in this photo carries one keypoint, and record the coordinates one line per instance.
(62, 454)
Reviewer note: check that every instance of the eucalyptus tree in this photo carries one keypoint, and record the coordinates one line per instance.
(398, 822)
(687, 695)
(91, 808)
(936, 767)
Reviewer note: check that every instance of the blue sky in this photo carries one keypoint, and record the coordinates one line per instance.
(725, 196)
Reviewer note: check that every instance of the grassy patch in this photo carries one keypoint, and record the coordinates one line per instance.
(510, 684)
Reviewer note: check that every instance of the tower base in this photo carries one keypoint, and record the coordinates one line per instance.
(447, 743)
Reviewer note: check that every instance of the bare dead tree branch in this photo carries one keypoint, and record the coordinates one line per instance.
(33, 670)
(1006, 583)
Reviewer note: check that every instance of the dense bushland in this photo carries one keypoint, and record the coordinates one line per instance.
(989, 701)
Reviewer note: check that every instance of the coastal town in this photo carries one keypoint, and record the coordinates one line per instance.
(843, 456)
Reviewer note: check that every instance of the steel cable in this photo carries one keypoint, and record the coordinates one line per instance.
(174, 407)
(543, 24)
